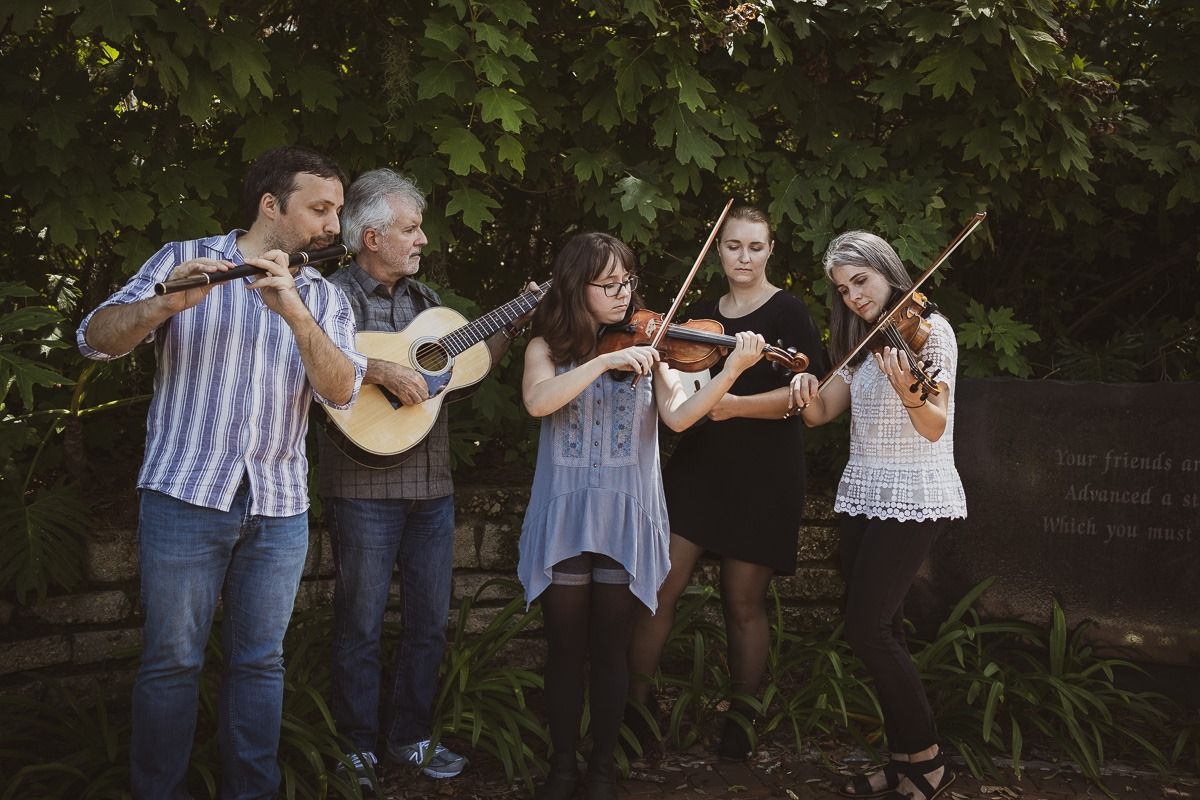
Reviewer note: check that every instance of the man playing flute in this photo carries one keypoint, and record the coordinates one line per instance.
(223, 485)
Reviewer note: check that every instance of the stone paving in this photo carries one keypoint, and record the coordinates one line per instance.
(777, 773)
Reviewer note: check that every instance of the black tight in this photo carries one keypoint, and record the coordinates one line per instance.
(747, 627)
(589, 621)
(880, 559)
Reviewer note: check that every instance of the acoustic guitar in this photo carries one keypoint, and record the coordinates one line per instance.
(447, 351)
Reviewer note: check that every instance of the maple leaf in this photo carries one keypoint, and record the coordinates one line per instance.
(475, 207)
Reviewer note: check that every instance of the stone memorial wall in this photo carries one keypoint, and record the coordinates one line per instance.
(1086, 492)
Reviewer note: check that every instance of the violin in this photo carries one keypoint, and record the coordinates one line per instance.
(689, 346)
(907, 330)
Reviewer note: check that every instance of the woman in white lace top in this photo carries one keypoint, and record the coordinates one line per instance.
(897, 492)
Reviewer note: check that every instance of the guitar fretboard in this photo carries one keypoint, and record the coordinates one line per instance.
(473, 333)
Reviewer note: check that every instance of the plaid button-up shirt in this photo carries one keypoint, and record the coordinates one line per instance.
(426, 472)
(231, 397)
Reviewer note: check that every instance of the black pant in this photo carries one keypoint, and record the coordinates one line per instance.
(880, 559)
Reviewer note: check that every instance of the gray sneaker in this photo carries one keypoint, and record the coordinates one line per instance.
(363, 765)
(440, 763)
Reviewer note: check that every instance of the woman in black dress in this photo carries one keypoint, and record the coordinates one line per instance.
(735, 485)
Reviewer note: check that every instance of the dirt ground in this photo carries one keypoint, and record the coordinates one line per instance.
(778, 772)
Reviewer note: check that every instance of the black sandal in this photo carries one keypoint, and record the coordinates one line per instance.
(916, 771)
(860, 785)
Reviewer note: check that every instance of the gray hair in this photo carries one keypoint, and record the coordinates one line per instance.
(868, 251)
(367, 203)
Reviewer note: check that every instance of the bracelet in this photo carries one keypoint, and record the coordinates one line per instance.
(512, 332)
(918, 405)
(794, 411)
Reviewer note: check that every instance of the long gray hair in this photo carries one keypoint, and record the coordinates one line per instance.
(864, 250)
(367, 204)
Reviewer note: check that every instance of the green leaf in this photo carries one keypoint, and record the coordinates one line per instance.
(358, 116)
(985, 144)
(692, 142)
(638, 195)
(1038, 48)
(25, 374)
(602, 107)
(510, 150)
(926, 24)
(587, 165)
(245, 56)
(316, 86)
(196, 101)
(111, 17)
(494, 37)
(1134, 197)
(949, 69)
(58, 122)
(692, 86)
(893, 86)
(463, 147)
(858, 160)
(59, 220)
(505, 106)
(28, 318)
(498, 69)
(441, 78)
(41, 534)
(447, 32)
(172, 72)
(24, 15)
(475, 207)
(260, 133)
(646, 8)
(635, 74)
(511, 12)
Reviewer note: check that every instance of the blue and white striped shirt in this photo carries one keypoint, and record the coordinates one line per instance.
(231, 396)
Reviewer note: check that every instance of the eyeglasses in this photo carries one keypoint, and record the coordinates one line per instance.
(614, 289)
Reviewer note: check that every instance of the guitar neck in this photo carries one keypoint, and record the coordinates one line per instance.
(481, 329)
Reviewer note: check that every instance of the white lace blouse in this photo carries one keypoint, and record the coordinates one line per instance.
(895, 472)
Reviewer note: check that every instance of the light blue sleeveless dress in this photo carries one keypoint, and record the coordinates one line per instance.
(598, 488)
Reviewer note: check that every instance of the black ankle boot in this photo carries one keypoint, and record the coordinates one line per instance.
(601, 784)
(734, 744)
(560, 782)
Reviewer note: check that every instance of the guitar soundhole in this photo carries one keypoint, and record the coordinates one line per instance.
(431, 358)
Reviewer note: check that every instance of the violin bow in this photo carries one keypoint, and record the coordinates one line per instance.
(670, 315)
(884, 319)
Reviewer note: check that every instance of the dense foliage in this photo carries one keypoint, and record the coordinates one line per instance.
(127, 123)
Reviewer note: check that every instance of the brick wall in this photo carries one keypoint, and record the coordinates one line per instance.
(82, 638)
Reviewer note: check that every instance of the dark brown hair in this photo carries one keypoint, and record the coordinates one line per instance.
(274, 172)
(562, 318)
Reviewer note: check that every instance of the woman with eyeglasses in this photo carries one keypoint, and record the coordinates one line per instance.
(594, 542)
(749, 444)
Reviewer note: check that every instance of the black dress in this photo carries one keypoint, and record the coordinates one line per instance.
(736, 487)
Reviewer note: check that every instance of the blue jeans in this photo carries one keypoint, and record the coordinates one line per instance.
(189, 556)
(369, 537)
